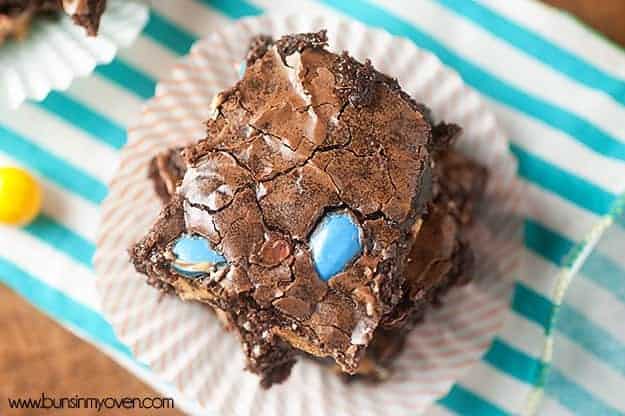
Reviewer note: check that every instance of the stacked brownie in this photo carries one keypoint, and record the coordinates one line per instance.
(321, 215)
(16, 15)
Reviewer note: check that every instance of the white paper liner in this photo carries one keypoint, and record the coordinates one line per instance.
(55, 51)
(184, 343)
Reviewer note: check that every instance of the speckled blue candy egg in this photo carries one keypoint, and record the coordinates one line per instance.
(334, 243)
(194, 256)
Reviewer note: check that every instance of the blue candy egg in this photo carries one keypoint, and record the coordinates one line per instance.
(194, 256)
(334, 243)
(242, 68)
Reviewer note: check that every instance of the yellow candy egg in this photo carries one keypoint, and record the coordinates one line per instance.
(20, 196)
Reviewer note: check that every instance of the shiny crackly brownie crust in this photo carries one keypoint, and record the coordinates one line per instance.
(16, 15)
(304, 132)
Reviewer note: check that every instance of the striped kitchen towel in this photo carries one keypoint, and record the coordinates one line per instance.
(557, 89)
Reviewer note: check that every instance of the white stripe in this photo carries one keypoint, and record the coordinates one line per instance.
(598, 378)
(563, 30)
(498, 388)
(555, 213)
(526, 336)
(62, 140)
(539, 274)
(598, 305)
(149, 57)
(68, 209)
(438, 410)
(107, 98)
(550, 407)
(191, 15)
(306, 7)
(536, 78)
(75, 213)
(48, 265)
(547, 143)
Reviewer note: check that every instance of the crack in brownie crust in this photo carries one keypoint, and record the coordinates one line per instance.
(303, 135)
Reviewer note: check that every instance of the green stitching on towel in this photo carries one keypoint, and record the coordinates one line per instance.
(571, 265)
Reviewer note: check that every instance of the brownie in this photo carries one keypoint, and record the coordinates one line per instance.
(166, 171)
(16, 15)
(85, 13)
(297, 213)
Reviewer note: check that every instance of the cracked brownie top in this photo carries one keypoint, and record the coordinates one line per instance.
(297, 211)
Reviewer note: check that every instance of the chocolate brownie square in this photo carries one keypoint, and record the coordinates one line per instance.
(296, 215)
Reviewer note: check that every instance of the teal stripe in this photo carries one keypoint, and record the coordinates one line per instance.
(533, 306)
(62, 239)
(547, 243)
(86, 119)
(582, 130)
(592, 337)
(168, 34)
(606, 273)
(464, 402)
(51, 167)
(128, 77)
(59, 306)
(514, 362)
(234, 9)
(540, 48)
(575, 398)
(563, 183)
